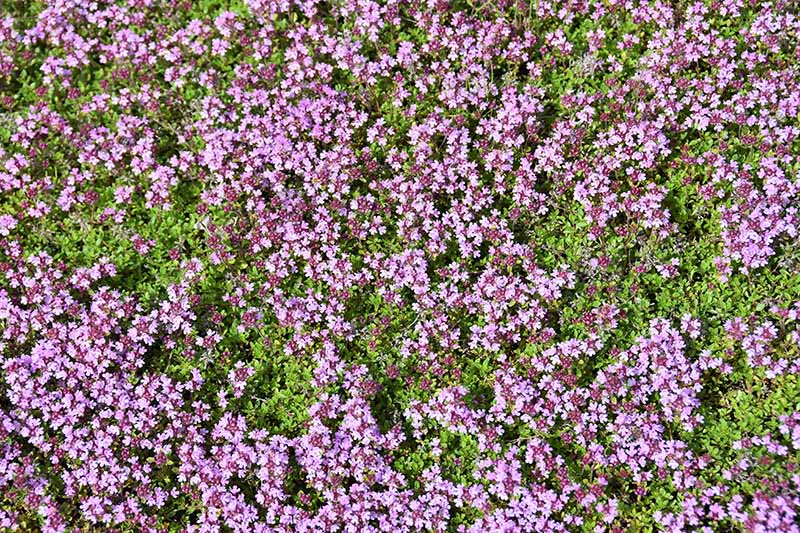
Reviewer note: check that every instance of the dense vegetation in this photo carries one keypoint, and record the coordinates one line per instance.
(399, 266)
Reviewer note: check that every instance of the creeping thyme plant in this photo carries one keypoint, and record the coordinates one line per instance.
(399, 266)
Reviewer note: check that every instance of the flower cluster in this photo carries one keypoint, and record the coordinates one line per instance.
(399, 266)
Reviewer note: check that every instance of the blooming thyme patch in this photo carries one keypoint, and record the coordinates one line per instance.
(399, 266)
